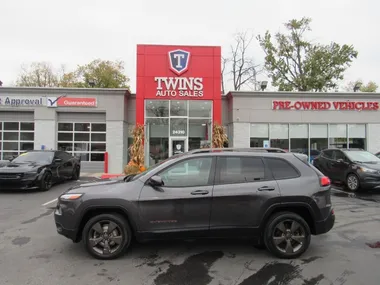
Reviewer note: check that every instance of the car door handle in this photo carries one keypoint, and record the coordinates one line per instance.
(199, 192)
(266, 188)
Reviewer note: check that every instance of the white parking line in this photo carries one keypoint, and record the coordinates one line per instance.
(52, 201)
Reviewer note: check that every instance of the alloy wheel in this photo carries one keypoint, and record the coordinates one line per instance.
(289, 236)
(105, 237)
(352, 182)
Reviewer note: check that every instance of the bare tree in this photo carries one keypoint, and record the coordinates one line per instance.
(242, 68)
(38, 74)
(224, 63)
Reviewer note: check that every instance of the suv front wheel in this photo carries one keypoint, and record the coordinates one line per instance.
(107, 236)
(287, 235)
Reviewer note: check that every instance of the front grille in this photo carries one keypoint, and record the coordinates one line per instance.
(11, 175)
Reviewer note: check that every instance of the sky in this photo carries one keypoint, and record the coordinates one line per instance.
(76, 32)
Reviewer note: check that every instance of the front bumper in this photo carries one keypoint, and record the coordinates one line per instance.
(369, 181)
(326, 225)
(65, 221)
(26, 183)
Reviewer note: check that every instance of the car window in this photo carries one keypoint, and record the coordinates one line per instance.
(362, 156)
(189, 173)
(337, 154)
(281, 169)
(240, 169)
(328, 153)
(65, 155)
(37, 156)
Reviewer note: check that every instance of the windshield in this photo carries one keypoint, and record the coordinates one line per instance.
(40, 157)
(362, 156)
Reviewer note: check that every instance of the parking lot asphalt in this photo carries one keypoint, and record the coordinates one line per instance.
(31, 252)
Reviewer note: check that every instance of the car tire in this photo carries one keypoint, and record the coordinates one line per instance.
(352, 182)
(280, 233)
(46, 181)
(76, 173)
(105, 245)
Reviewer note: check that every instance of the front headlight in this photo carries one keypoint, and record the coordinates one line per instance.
(70, 197)
(367, 170)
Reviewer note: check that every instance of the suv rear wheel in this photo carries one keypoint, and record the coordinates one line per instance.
(107, 236)
(287, 235)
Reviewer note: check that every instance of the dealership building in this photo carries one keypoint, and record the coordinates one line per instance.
(178, 98)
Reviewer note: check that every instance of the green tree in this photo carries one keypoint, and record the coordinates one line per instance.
(38, 74)
(98, 74)
(295, 63)
(371, 86)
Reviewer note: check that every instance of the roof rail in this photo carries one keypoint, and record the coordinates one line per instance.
(226, 149)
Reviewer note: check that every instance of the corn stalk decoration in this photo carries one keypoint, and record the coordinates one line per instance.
(219, 136)
(136, 152)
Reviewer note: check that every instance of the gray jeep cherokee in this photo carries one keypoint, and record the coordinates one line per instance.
(278, 200)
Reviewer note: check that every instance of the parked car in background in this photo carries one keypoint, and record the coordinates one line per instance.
(278, 200)
(39, 170)
(356, 168)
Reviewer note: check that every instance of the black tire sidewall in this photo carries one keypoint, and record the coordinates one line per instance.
(355, 190)
(124, 226)
(42, 183)
(269, 230)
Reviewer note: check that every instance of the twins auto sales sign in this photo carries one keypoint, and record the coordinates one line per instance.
(178, 72)
(326, 105)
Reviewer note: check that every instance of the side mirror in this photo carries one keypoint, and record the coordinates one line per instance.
(156, 182)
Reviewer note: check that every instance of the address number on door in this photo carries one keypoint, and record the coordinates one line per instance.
(178, 132)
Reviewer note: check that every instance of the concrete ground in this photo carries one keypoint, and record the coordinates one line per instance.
(31, 252)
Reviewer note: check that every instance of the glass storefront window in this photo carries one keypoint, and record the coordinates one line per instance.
(187, 122)
(299, 142)
(156, 108)
(259, 133)
(318, 139)
(200, 109)
(338, 136)
(178, 127)
(178, 108)
(158, 139)
(279, 136)
(357, 136)
(199, 133)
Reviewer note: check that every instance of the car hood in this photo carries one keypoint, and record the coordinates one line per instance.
(12, 167)
(375, 166)
(98, 187)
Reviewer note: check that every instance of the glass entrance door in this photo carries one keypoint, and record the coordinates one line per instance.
(177, 145)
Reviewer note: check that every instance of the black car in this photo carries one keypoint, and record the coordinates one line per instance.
(356, 168)
(38, 170)
(277, 200)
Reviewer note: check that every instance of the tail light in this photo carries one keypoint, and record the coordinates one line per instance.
(324, 181)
